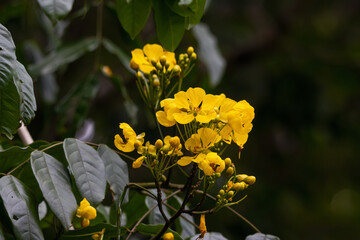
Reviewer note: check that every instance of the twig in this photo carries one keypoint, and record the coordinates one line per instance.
(148, 212)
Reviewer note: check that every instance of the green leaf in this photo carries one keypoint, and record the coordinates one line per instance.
(135, 208)
(64, 55)
(183, 8)
(114, 49)
(56, 9)
(210, 236)
(55, 185)
(133, 15)
(195, 18)
(170, 27)
(24, 85)
(87, 168)
(20, 208)
(13, 156)
(9, 96)
(209, 53)
(86, 233)
(261, 236)
(116, 171)
(151, 230)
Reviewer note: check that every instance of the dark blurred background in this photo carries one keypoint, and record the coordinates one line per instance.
(296, 62)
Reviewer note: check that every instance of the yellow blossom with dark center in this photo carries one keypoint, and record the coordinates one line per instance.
(86, 212)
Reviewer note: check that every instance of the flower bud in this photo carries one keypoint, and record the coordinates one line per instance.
(163, 178)
(227, 162)
(168, 236)
(156, 82)
(138, 162)
(85, 222)
(159, 66)
(230, 194)
(153, 62)
(239, 186)
(230, 171)
(217, 175)
(221, 192)
(177, 69)
(166, 149)
(241, 177)
(159, 144)
(107, 71)
(250, 180)
(174, 141)
(167, 64)
(163, 59)
(138, 74)
(193, 56)
(190, 50)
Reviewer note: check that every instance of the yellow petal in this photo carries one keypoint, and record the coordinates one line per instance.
(153, 51)
(185, 161)
(183, 118)
(195, 96)
(163, 120)
(206, 117)
(181, 100)
(89, 213)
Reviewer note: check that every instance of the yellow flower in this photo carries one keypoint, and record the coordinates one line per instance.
(168, 236)
(195, 104)
(131, 139)
(202, 226)
(151, 53)
(166, 117)
(138, 162)
(211, 164)
(86, 212)
(203, 139)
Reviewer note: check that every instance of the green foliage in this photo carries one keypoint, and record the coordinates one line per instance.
(133, 15)
(169, 26)
(55, 185)
(116, 172)
(56, 9)
(20, 208)
(16, 88)
(86, 233)
(87, 168)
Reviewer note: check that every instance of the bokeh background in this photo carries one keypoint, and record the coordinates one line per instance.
(298, 64)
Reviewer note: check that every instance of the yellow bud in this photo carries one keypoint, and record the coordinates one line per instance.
(107, 71)
(230, 171)
(159, 66)
(230, 194)
(156, 82)
(227, 162)
(167, 64)
(138, 162)
(168, 236)
(134, 65)
(239, 186)
(163, 59)
(221, 192)
(174, 141)
(177, 69)
(241, 177)
(85, 222)
(159, 144)
(166, 149)
(138, 74)
(250, 180)
(193, 56)
(190, 50)
(163, 178)
(153, 62)
(181, 57)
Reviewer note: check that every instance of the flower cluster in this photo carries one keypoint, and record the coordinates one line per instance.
(85, 212)
(155, 68)
(231, 119)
